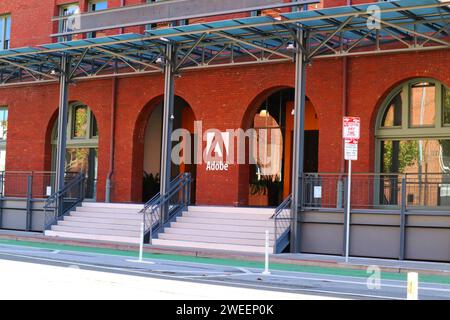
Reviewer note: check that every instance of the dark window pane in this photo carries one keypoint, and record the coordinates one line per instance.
(393, 115)
(94, 130)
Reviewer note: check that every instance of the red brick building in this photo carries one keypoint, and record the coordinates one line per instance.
(222, 98)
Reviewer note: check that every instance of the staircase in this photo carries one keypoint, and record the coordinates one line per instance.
(221, 228)
(200, 227)
(114, 222)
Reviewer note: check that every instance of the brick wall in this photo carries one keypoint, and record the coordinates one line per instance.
(221, 98)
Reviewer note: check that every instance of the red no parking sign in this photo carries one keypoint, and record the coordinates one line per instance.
(351, 128)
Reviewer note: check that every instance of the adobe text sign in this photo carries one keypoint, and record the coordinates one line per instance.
(351, 128)
(351, 149)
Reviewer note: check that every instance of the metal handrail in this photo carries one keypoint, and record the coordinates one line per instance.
(281, 224)
(56, 201)
(158, 211)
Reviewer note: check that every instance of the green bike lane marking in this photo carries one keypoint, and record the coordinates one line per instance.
(226, 262)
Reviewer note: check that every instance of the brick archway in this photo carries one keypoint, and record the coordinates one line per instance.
(142, 148)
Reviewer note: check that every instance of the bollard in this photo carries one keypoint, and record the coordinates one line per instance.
(266, 267)
(412, 292)
(141, 248)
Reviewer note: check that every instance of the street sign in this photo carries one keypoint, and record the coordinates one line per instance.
(351, 132)
(351, 149)
(351, 128)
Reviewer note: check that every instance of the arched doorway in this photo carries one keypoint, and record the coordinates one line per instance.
(271, 171)
(183, 118)
(413, 139)
(82, 145)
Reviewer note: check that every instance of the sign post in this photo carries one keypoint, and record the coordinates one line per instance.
(351, 134)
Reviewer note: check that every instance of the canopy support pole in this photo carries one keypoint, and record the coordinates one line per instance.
(298, 140)
(168, 117)
(62, 122)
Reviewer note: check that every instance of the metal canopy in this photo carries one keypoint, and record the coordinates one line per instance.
(406, 25)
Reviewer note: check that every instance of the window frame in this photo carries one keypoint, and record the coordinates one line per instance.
(405, 131)
(78, 142)
(62, 23)
(91, 3)
(5, 36)
(3, 141)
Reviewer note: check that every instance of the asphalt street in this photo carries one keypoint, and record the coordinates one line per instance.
(320, 284)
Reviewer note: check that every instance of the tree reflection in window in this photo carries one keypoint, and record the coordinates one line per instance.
(80, 121)
(446, 105)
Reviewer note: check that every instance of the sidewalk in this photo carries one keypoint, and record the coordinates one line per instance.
(356, 266)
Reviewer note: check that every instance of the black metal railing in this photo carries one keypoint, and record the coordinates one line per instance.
(282, 225)
(29, 184)
(62, 202)
(375, 191)
(161, 210)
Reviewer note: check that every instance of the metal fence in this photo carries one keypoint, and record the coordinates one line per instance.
(375, 191)
(29, 184)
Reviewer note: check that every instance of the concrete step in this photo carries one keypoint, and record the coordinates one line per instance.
(211, 239)
(112, 226)
(219, 234)
(92, 220)
(85, 236)
(213, 246)
(219, 227)
(107, 210)
(130, 206)
(224, 209)
(228, 215)
(254, 223)
(96, 231)
(103, 215)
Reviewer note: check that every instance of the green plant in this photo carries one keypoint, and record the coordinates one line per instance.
(150, 186)
(269, 185)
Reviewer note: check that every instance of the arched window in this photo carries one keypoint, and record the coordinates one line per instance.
(413, 138)
(82, 145)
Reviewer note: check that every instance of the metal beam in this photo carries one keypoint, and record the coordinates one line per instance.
(298, 141)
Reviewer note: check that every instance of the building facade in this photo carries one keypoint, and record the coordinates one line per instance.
(114, 130)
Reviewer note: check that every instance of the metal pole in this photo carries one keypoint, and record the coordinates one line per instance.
(298, 143)
(266, 263)
(29, 202)
(348, 207)
(141, 243)
(62, 122)
(166, 147)
(403, 220)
